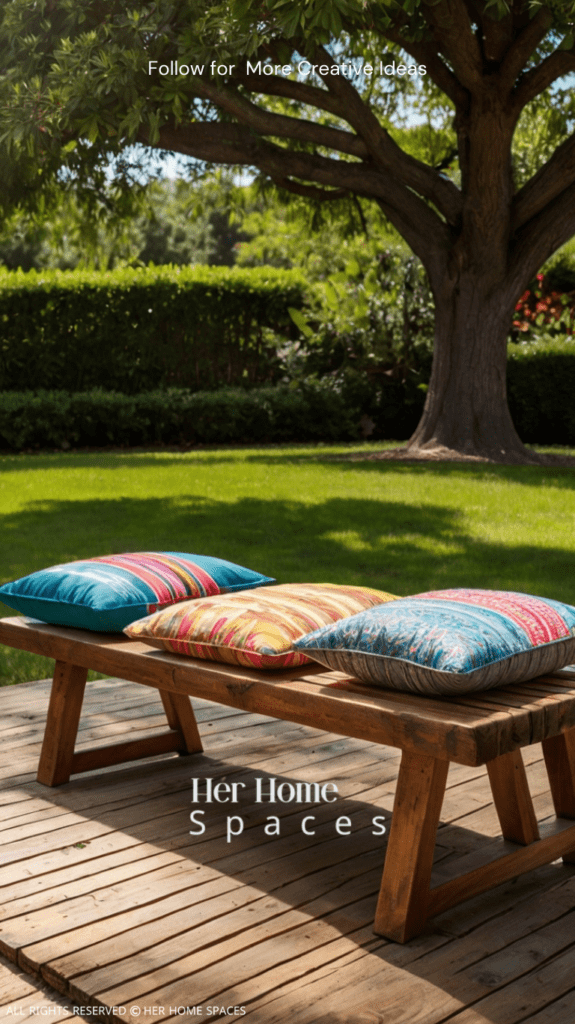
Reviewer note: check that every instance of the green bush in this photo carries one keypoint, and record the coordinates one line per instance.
(57, 419)
(559, 273)
(340, 406)
(540, 388)
(382, 318)
(137, 330)
(393, 401)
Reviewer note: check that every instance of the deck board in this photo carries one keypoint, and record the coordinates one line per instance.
(23, 997)
(109, 900)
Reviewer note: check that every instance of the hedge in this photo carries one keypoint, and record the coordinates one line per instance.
(135, 330)
(540, 388)
(541, 383)
(56, 419)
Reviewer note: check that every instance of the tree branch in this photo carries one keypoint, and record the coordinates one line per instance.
(223, 142)
(271, 85)
(432, 255)
(371, 138)
(524, 46)
(361, 216)
(535, 81)
(543, 188)
(309, 191)
(387, 154)
(426, 53)
(540, 237)
(451, 27)
(497, 36)
(266, 123)
(473, 9)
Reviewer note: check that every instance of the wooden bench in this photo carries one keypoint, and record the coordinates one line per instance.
(485, 729)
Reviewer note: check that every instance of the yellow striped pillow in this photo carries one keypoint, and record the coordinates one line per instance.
(255, 628)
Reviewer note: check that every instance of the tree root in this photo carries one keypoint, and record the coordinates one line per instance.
(439, 453)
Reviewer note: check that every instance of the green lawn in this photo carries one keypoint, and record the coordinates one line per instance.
(298, 514)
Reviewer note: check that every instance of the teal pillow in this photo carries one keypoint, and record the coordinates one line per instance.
(107, 593)
(449, 641)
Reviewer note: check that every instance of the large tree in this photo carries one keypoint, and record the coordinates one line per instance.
(232, 83)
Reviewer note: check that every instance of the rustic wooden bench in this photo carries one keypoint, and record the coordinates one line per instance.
(480, 729)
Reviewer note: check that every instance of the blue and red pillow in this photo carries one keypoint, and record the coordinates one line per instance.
(449, 641)
(109, 592)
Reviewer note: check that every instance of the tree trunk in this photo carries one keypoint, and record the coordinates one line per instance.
(466, 409)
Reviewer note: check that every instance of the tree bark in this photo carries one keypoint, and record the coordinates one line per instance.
(466, 409)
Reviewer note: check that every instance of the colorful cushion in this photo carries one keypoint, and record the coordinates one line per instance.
(449, 641)
(107, 593)
(256, 629)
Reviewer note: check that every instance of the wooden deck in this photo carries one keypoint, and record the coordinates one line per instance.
(22, 996)
(108, 898)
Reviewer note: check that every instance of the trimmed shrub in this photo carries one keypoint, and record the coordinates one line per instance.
(393, 401)
(540, 388)
(138, 330)
(57, 419)
(342, 406)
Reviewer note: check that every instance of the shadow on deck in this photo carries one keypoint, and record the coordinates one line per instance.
(109, 898)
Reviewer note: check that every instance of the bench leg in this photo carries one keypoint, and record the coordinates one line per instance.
(512, 798)
(405, 900)
(181, 717)
(58, 760)
(559, 754)
(66, 698)
(404, 895)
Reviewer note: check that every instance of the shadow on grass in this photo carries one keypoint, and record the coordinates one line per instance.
(395, 546)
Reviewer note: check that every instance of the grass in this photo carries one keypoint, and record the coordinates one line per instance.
(299, 514)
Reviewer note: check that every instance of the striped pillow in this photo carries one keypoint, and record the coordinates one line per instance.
(256, 630)
(449, 641)
(108, 592)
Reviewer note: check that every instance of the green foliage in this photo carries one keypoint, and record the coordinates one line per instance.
(137, 329)
(388, 405)
(544, 123)
(57, 419)
(324, 19)
(175, 223)
(563, 12)
(183, 223)
(559, 272)
(547, 307)
(540, 387)
(288, 231)
(63, 239)
(343, 405)
(76, 91)
(380, 318)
